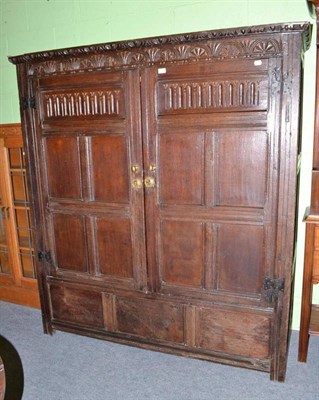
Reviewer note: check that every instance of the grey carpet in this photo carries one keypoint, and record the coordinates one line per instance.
(71, 367)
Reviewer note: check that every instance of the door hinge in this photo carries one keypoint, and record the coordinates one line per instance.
(44, 256)
(28, 102)
(271, 288)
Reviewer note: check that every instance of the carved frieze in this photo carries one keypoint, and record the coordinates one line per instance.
(165, 54)
(210, 94)
(75, 103)
(172, 40)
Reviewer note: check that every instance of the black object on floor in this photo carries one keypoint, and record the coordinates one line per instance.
(13, 370)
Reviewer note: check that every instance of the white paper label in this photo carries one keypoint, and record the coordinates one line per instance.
(161, 71)
(257, 62)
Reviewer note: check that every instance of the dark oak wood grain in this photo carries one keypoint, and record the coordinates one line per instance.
(229, 337)
(237, 270)
(181, 253)
(109, 164)
(150, 319)
(64, 176)
(76, 305)
(68, 230)
(114, 247)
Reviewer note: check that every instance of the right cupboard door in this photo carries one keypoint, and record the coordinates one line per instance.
(210, 214)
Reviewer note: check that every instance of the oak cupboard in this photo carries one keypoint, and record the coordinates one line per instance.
(163, 181)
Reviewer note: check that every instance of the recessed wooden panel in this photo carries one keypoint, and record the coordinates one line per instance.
(110, 169)
(182, 253)
(79, 306)
(240, 258)
(64, 175)
(241, 168)
(114, 246)
(182, 168)
(150, 319)
(241, 333)
(70, 242)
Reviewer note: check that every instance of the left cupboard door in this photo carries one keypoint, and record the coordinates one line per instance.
(90, 179)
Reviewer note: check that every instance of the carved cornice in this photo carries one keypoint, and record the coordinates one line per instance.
(165, 49)
(161, 55)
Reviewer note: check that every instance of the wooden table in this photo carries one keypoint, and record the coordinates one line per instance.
(309, 322)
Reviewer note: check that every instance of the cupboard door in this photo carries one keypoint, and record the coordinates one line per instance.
(209, 213)
(91, 153)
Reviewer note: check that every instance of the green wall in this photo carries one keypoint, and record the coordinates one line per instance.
(33, 25)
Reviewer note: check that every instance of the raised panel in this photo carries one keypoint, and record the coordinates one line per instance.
(79, 306)
(240, 258)
(114, 247)
(182, 253)
(150, 319)
(70, 242)
(63, 167)
(181, 158)
(241, 168)
(239, 332)
(110, 180)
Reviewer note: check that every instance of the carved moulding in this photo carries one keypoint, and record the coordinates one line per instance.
(82, 103)
(208, 50)
(184, 48)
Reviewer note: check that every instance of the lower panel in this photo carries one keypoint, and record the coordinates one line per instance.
(240, 332)
(80, 306)
(227, 334)
(150, 319)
